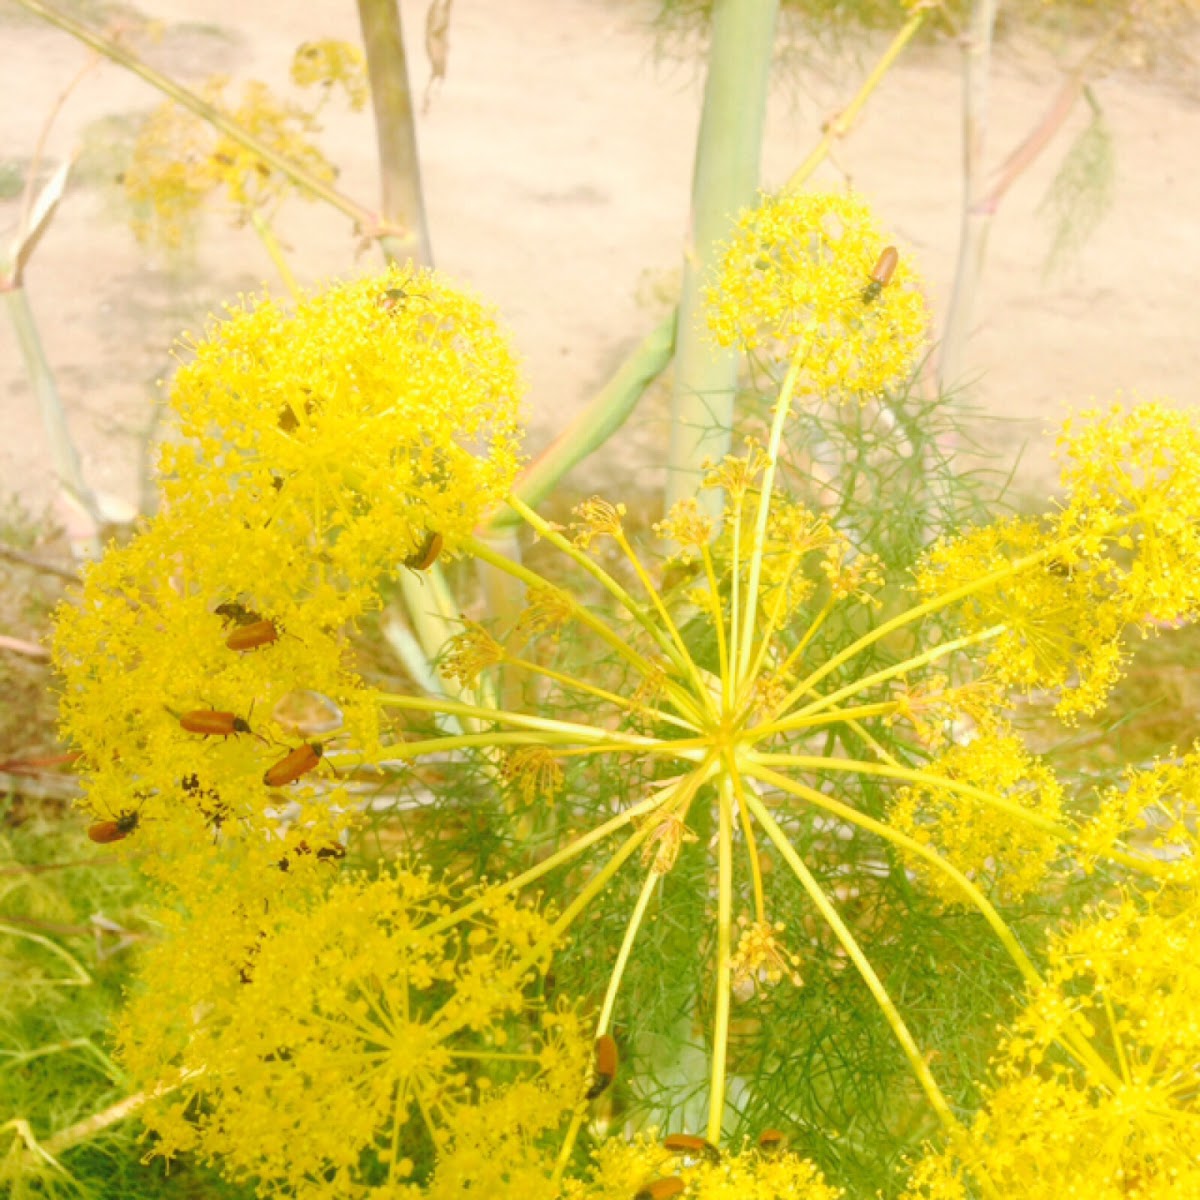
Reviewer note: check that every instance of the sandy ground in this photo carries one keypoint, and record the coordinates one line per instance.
(557, 163)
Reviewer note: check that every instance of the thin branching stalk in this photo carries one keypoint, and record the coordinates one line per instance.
(1076, 1039)
(271, 244)
(682, 700)
(559, 858)
(982, 201)
(364, 218)
(610, 585)
(783, 406)
(855, 952)
(822, 704)
(67, 467)
(668, 623)
(723, 973)
(550, 726)
(589, 429)
(839, 125)
(932, 605)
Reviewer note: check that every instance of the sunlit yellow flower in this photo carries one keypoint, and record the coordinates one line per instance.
(320, 446)
(1158, 807)
(1005, 841)
(351, 424)
(179, 160)
(1117, 1116)
(349, 1034)
(533, 772)
(761, 957)
(622, 1169)
(796, 282)
(331, 62)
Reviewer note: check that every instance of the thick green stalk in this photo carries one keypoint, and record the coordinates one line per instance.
(725, 179)
(403, 202)
(605, 413)
(978, 211)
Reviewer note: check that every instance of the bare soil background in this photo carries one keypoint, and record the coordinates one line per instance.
(556, 162)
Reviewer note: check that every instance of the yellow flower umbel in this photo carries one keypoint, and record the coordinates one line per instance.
(1008, 852)
(180, 162)
(761, 743)
(1116, 1116)
(789, 739)
(320, 449)
(809, 277)
(626, 1168)
(329, 1046)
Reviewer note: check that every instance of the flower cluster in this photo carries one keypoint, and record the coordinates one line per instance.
(810, 276)
(207, 666)
(999, 827)
(1063, 593)
(179, 160)
(345, 1038)
(787, 737)
(641, 1167)
(1117, 1118)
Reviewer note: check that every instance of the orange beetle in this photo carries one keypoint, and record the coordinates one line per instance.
(250, 637)
(297, 762)
(660, 1189)
(881, 276)
(771, 1141)
(426, 554)
(606, 1066)
(211, 723)
(117, 830)
(689, 1143)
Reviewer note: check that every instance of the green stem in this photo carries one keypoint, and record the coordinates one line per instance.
(1075, 1039)
(631, 932)
(725, 179)
(1064, 833)
(623, 702)
(867, 681)
(557, 859)
(690, 752)
(684, 657)
(760, 904)
(591, 890)
(718, 620)
(977, 212)
(614, 641)
(605, 413)
(934, 604)
(41, 379)
(403, 202)
(841, 124)
(271, 243)
(720, 1053)
(886, 1005)
(783, 406)
(569, 730)
(884, 708)
(602, 577)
